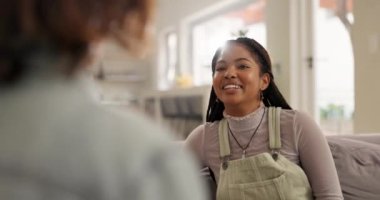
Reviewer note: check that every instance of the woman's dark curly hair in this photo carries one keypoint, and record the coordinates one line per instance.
(271, 95)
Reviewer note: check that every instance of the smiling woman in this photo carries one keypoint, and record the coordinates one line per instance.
(251, 61)
(238, 81)
(269, 139)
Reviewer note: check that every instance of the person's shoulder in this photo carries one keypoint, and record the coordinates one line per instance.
(288, 112)
(302, 116)
(212, 124)
(294, 114)
(124, 130)
(205, 130)
(287, 116)
(300, 119)
(197, 133)
(132, 123)
(296, 118)
(205, 127)
(150, 150)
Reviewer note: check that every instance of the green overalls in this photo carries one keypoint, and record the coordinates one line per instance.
(266, 176)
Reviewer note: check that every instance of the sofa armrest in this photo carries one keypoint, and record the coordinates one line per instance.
(357, 160)
(373, 138)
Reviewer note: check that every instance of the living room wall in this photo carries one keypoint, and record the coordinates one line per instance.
(366, 45)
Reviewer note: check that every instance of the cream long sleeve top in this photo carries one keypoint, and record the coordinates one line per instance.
(302, 143)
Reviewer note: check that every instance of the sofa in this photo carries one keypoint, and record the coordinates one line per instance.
(357, 159)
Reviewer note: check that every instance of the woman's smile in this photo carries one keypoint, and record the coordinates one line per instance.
(231, 89)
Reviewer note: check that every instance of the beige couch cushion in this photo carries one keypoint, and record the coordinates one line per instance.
(358, 166)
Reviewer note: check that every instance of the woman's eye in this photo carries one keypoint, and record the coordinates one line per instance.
(220, 68)
(242, 66)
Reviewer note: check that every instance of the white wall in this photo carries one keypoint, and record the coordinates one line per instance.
(171, 12)
(366, 43)
(278, 46)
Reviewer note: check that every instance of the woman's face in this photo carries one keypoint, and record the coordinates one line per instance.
(237, 81)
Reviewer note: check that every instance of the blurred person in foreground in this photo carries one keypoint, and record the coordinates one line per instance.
(56, 142)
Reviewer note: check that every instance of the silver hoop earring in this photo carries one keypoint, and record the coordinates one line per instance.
(261, 96)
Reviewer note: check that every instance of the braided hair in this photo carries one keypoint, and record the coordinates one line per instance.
(271, 95)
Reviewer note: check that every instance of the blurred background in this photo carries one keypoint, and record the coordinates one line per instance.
(325, 55)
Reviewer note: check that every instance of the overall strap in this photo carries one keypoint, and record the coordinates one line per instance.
(274, 129)
(224, 144)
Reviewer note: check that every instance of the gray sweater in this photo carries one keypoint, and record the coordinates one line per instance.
(57, 143)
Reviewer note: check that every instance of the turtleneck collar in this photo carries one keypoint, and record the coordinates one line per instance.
(245, 123)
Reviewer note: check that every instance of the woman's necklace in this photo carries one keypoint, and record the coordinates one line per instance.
(249, 142)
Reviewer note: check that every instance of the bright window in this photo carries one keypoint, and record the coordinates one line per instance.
(208, 35)
(169, 64)
(334, 67)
